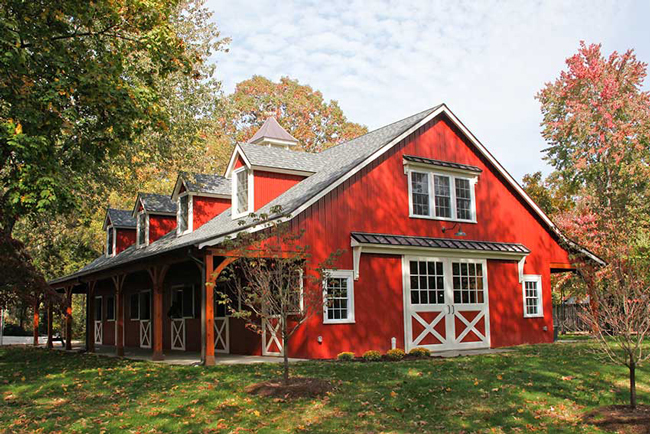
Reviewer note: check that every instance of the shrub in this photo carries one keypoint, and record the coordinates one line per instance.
(345, 356)
(420, 352)
(395, 354)
(371, 356)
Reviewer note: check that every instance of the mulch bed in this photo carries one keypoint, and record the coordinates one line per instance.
(298, 387)
(621, 419)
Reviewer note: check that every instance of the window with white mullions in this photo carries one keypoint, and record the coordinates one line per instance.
(242, 191)
(441, 187)
(463, 199)
(427, 282)
(142, 229)
(420, 193)
(110, 241)
(532, 292)
(183, 213)
(338, 290)
(468, 283)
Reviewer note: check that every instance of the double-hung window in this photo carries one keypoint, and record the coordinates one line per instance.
(143, 229)
(184, 214)
(532, 294)
(242, 192)
(338, 291)
(110, 241)
(441, 195)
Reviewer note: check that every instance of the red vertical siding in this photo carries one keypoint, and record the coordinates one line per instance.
(124, 238)
(376, 200)
(205, 209)
(160, 225)
(239, 162)
(269, 185)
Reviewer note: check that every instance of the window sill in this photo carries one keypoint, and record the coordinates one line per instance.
(338, 321)
(442, 219)
(534, 316)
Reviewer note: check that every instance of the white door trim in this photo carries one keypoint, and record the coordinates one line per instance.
(99, 323)
(145, 333)
(222, 334)
(273, 331)
(178, 333)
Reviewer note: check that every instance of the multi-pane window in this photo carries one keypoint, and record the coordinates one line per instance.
(134, 306)
(427, 282)
(109, 241)
(532, 296)
(420, 193)
(183, 213)
(142, 229)
(442, 196)
(242, 191)
(468, 282)
(463, 199)
(110, 308)
(145, 305)
(339, 297)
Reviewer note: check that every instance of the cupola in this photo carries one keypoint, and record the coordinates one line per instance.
(271, 133)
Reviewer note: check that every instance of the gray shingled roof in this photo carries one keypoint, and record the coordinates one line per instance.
(271, 156)
(441, 163)
(121, 218)
(203, 183)
(271, 129)
(157, 203)
(438, 243)
(328, 165)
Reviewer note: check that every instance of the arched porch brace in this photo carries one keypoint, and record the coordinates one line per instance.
(157, 274)
(211, 275)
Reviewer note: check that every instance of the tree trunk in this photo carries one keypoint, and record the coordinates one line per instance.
(632, 383)
(285, 355)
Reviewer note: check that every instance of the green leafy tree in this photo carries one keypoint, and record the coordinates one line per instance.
(303, 111)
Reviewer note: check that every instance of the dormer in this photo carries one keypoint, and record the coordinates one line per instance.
(155, 216)
(261, 171)
(120, 228)
(272, 134)
(199, 198)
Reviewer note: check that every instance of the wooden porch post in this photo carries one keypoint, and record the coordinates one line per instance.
(49, 324)
(37, 304)
(118, 281)
(68, 318)
(157, 277)
(211, 277)
(90, 316)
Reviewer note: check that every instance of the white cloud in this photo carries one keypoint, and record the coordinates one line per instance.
(384, 60)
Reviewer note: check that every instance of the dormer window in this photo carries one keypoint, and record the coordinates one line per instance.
(441, 190)
(143, 229)
(110, 241)
(242, 192)
(185, 205)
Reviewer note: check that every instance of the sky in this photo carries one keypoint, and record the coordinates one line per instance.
(385, 60)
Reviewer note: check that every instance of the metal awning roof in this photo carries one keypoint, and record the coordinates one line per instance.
(438, 243)
(440, 163)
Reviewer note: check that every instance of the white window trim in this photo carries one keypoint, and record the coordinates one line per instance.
(190, 213)
(146, 229)
(114, 308)
(184, 287)
(108, 229)
(452, 175)
(251, 195)
(341, 274)
(540, 305)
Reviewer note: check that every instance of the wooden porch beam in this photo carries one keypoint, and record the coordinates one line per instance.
(211, 277)
(68, 318)
(90, 315)
(157, 275)
(118, 282)
(49, 324)
(37, 304)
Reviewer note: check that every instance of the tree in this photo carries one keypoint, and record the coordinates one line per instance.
(82, 82)
(550, 193)
(316, 123)
(273, 283)
(597, 123)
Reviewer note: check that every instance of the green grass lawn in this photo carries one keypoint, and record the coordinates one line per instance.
(544, 387)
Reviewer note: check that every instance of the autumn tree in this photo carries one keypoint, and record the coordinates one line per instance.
(274, 286)
(596, 119)
(301, 110)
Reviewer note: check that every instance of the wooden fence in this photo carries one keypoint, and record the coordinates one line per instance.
(566, 318)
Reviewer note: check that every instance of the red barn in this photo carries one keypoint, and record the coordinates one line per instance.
(442, 248)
